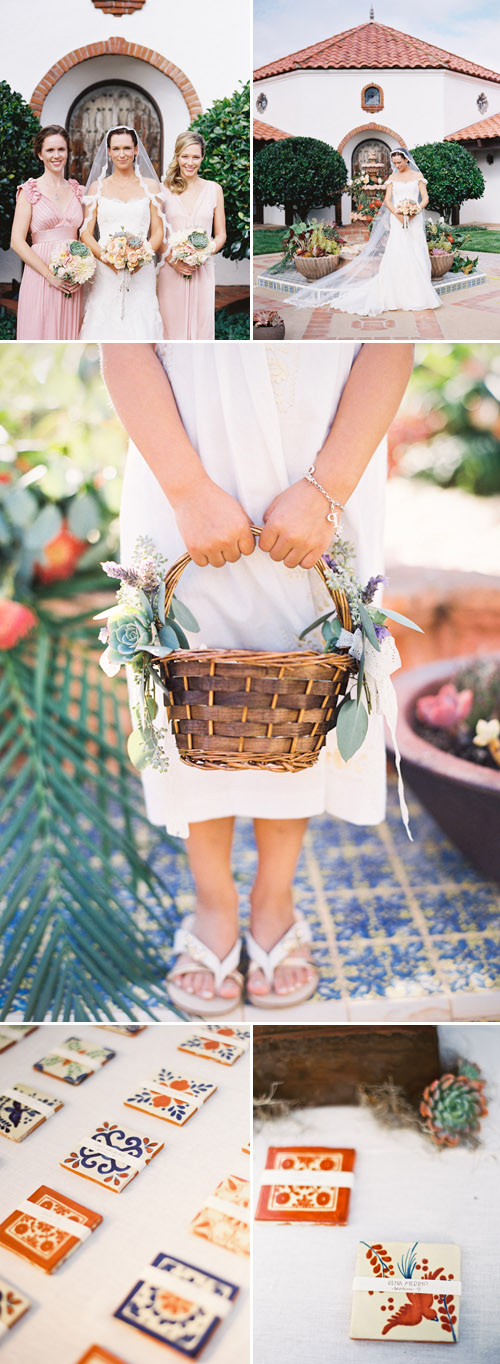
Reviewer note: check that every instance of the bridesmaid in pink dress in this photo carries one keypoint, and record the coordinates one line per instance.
(49, 209)
(188, 306)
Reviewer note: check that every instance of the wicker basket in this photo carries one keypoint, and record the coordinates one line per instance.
(441, 264)
(314, 267)
(234, 709)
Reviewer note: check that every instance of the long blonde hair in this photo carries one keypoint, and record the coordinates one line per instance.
(174, 179)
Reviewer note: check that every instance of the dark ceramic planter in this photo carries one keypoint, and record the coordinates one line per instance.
(463, 799)
(269, 333)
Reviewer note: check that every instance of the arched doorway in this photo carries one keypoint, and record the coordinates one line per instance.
(372, 158)
(106, 106)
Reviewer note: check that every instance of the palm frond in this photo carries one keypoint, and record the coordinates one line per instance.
(86, 922)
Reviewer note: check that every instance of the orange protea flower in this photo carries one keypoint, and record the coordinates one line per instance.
(61, 556)
(15, 622)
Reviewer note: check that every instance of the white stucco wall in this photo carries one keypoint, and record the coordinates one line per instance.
(487, 209)
(419, 106)
(210, 47)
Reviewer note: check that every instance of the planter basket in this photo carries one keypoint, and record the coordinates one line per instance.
(235, 709)
(441, 264)
(314, 267)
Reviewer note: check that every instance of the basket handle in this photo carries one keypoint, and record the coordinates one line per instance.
(339, 599)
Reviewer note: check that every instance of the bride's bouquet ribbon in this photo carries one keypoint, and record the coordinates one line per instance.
(379, 666)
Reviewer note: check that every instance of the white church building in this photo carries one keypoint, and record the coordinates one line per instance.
(89, 64)
(372, 88)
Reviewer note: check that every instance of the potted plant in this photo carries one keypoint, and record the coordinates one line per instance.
(367, 198)
(440, 246)
(449, 736)
(268, 326)
(317, 251)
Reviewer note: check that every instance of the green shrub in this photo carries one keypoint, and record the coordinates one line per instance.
(7, 325)
(18, 127)
(452, 175)
(226, 129)
(300, 171)
(231, 326)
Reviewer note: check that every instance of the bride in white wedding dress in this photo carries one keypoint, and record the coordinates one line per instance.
(123, 193)
(393, 271)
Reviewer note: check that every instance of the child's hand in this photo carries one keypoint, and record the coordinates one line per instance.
(214, 527)
(296, 530)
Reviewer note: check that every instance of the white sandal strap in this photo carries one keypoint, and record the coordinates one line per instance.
(186, 941)
(296, 936)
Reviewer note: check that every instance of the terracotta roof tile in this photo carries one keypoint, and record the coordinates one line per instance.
(374, 46)
(264, 132)
(485, 128)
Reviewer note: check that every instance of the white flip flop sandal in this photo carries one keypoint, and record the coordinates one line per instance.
(299, 935)
(200, 955)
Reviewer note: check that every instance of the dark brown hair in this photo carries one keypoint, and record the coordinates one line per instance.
(52, 130)
(131, 133)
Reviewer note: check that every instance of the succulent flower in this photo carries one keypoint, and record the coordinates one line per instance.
(453, 1107)
(486, 732)
(129, 631)
(447, 709)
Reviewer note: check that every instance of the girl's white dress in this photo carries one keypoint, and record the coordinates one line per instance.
(258, 415)
(403, 282)
(122, 307)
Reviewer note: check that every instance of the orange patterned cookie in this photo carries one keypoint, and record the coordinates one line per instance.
(306, 1184)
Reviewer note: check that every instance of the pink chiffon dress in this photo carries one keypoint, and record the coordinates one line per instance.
(44, 314)
(188, 306)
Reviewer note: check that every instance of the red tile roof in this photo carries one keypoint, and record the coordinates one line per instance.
(484, 129)
(374, 46)
(264, 132)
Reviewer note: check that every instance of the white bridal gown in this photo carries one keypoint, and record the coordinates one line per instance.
(403, 282)
(122, 307)
(258, 415)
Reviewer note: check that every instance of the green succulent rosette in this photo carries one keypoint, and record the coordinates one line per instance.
(453, 1107)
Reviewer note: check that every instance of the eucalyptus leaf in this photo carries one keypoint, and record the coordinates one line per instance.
(314, 626)
(146, 604)
(140, 750)
(403, 620)
(368, 627)
(352, 725)
(47, 525)
(84, 515)
(168, 637)
(181, 637)
(159, 603)
(21, 506)
(184, 616)
(361, 673)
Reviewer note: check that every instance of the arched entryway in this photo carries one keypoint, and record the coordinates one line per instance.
(109, 105)
(371, 157)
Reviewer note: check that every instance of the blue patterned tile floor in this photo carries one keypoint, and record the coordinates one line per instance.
(400, 929)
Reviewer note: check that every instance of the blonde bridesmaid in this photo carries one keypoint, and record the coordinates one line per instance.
(48, 211)
(188, 306)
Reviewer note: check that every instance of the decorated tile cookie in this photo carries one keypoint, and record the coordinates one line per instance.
(406, 1290)
(213, 1048)
(228, 1032)
(23, 1109)
(74, 1060)
(96, 1354)
(111, 1155)
(225, 1217)
(306, 1184)
(246, 1149)
(13, 1305)
(47, 1227)
(171, 1096)
(177, 1303)
(128, 1029)
(10, 1033)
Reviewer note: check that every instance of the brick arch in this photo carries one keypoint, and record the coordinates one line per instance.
(118, 47)
(370, 128)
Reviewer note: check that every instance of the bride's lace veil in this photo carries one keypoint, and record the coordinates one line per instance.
(102, 167)
(365, 265)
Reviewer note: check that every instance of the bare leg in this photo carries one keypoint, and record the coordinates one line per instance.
(216, 916)
(278, 844)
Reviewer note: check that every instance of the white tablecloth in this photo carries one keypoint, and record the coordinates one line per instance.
(404, 1189)
(73, 1308)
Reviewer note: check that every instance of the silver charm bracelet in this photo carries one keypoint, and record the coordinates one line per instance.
(333, 515)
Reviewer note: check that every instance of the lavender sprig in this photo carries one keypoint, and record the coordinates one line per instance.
(369, 591)
(125, 575)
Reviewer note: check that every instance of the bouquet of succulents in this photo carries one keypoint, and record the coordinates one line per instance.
(126, 251)
(137, 631)
(193, 248)
(73, 263)
(374, 653)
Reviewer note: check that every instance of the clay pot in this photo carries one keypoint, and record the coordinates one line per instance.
(441, 264)
(275, 333)
(463, 798)
(314, 267)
